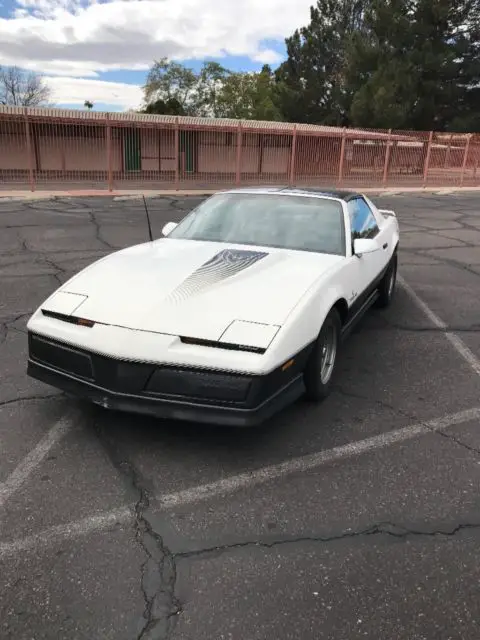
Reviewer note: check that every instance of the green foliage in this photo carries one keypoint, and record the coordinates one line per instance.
(418, 67)
(170, 107)
(249, 96)
(214, 91)
(169, 81)
(405, 64)
(400, 64)
(312, 83)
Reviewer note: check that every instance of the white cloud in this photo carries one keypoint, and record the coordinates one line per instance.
(71, 38)
(75, 40)
(267, 56)
(76, 90)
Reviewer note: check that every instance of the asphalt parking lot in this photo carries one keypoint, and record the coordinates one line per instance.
(356, 519)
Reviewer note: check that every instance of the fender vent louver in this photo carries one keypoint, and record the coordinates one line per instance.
(221, 345)
(70, 319)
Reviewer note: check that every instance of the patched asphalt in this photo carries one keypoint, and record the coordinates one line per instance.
(379, 544)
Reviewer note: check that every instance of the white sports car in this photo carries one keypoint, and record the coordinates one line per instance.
(235, 313)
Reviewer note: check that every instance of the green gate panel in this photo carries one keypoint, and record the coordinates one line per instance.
(188, 146)
(133, 155)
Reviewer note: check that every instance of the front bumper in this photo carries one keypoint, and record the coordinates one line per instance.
(164, 391)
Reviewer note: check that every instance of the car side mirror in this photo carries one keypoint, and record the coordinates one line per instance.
(168, 228)
(364, 245)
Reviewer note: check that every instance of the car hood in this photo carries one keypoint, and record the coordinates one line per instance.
(191, 288)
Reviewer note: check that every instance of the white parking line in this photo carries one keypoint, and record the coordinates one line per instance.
(228, 486)
(454, 340)
(28, 465)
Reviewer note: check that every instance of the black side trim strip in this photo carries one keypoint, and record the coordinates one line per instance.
(359, 313)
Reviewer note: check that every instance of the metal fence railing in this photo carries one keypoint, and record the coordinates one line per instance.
(68, 149)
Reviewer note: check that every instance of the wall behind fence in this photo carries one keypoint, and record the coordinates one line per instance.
(67, 149)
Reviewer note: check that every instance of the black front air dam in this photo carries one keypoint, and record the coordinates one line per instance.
(195, 395)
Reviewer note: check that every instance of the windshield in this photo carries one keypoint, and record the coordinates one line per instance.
(271, 220)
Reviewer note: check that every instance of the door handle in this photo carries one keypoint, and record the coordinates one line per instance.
(385, 245)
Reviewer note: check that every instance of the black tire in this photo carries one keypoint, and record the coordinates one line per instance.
(386, 288)
(317, 385)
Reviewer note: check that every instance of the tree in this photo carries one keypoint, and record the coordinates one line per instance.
(405, 64)
(170, 107)
(168, 81)
(212, 80)
(420, 67)
(251, 96)
(311, 83)
(214, 91)
(378, 70)
(88, 105)
(23, 89)
(172, 88)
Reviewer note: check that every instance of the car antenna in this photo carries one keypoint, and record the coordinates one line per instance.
(148, 219)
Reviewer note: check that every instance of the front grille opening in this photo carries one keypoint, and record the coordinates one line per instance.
(199, 385)
(222, 345)
(61, 357)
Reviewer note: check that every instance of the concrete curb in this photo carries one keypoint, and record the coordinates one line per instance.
(136, 194)
(116, 195)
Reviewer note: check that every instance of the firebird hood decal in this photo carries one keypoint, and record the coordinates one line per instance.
(221, 266)
(195, 289)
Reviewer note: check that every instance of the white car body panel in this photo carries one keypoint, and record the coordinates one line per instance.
(140, 288)
(143, 299)
(136, 289)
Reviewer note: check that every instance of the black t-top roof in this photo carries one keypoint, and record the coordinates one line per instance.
(341, 194)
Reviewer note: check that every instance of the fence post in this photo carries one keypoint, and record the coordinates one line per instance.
(342, 155)
(29, 151)
(291, 177)
(447, 152)
(427, 159)
(177, 155)
(465, 158)
(387, 158)
(238, 165)
(108, 134)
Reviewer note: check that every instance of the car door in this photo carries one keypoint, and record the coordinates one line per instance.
(366, 269)
(365, 224)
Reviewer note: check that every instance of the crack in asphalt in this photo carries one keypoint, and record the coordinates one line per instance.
(460, 443)
(6, 326)
(24, 226)
(96, 224)
(442, 260)
(58, 269)
(405, 414)
(380, 529)
(158, 571)
(452, 263)
(389, 325)
(4, 403)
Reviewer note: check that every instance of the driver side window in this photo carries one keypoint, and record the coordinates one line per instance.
(362, 220)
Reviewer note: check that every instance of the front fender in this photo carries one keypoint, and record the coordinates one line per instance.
(305, 321)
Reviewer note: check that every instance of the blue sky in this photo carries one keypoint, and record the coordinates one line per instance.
(100, 50)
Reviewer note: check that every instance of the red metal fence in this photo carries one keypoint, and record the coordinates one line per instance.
(68, 149)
